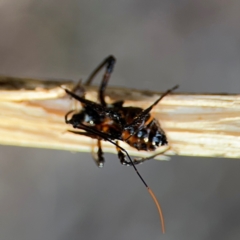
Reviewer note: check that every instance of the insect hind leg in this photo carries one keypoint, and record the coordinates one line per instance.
(109, 62)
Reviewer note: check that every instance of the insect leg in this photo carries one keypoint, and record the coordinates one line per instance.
(67, 114)
(97, 107)
(99, 159)
(109, 62)
(122, 157)
(87, 134)
(141, 160)
(79, 89)
(159, 99)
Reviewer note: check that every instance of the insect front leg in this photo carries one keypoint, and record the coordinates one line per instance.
(91, 135)
(109, 62)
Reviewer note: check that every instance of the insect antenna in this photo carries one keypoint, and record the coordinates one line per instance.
(107, 138)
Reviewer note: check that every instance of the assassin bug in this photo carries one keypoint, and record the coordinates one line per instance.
(114, 123)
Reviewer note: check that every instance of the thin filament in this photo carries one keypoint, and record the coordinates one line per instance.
(158, 207)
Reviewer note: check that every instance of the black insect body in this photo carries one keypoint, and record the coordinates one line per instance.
(129, 124)
(114, 123)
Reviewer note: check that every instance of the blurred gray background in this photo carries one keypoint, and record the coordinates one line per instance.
(58, 195)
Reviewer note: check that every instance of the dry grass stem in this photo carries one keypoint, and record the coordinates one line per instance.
(32, 115)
